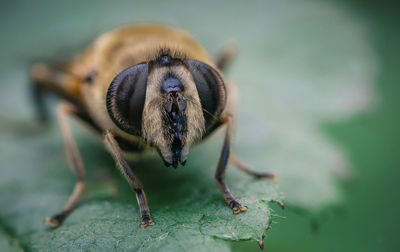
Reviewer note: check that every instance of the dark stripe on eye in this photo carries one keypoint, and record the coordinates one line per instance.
(126, 97)
(211, 90)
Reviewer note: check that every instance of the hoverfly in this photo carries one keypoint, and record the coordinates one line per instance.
(142, 87)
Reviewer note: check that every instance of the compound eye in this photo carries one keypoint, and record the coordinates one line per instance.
(211, 89)
(126, 96)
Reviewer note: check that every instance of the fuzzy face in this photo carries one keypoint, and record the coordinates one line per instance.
(169, 102)
(172, 116)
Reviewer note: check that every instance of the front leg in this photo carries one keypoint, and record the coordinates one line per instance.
(221, 168)
(132, 179)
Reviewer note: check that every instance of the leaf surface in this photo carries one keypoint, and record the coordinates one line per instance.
(288, 82)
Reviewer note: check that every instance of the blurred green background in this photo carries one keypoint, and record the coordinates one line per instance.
(351, 46)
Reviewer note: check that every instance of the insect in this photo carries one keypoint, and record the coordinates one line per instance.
(142, 87)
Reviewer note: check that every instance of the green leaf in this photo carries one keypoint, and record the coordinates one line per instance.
(8, 243)
(289, 82)
(186, 205)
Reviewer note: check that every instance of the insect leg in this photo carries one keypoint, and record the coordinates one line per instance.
(241, 166)
(75, 163)
(230, 108)
(132, 179)
(221, 168)
(225, 57)
(49, 79)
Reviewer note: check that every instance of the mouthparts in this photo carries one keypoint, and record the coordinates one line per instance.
(175, 106)
(176, 120)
